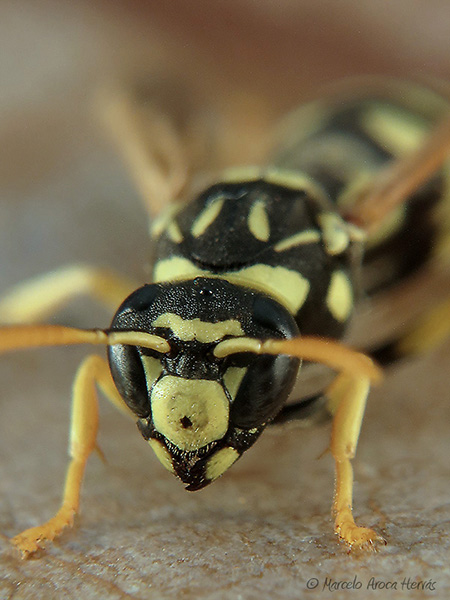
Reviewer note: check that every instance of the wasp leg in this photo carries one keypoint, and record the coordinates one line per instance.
(149, 142)
(346, 401)
(38, 298)
(83, 434)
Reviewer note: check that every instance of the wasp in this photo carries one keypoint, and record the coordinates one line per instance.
(254, 275)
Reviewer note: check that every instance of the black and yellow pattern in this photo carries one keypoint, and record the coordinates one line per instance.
(343, 144)
(193, 406)
(256, 274)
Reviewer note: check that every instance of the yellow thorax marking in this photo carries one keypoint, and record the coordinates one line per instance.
(258, 221)
(176, 268)
(195, 329)
(287, 286)
(340, 296)
(241, 174)
(308, 236)
(293, 180)
(334, 232)
(207, 217)
(174, 232)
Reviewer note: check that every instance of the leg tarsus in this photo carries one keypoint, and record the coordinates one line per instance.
(347, 398)
(354, 536)
(31, 540)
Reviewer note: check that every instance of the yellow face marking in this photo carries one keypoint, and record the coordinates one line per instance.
(189, 412)
(194, 329)
(309, 236)
(232, 379)
(258, 221)
(220, 462)
(334, 233)
(289, 287)
(207, 217)
(152, 369)
(394, 129)
(174, 232)
(162, 453)
(340, 296)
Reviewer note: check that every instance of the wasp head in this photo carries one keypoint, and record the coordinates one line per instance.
(200, 412)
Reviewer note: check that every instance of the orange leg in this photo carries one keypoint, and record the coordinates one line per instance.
(83, 435)
(38, 298)
(347, 399)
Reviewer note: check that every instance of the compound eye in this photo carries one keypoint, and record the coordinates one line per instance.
(128, 373)
(135, 367)
(273, 318)
(141, 299)
(263, 391)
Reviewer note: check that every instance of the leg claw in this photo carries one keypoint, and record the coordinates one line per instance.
(31, 540)
(359, 537)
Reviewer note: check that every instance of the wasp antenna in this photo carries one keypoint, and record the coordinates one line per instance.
(236, 345)
(328, 352)
(139, 338)
(22, 337)
(320, 350)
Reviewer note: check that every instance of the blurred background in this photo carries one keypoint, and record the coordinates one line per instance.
(65, 197)
(54, 156)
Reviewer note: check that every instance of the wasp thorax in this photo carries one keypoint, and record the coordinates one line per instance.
(190, 413)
